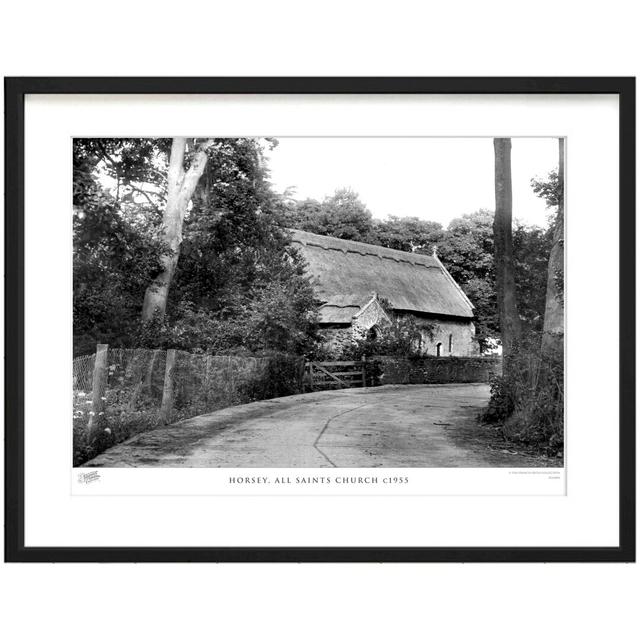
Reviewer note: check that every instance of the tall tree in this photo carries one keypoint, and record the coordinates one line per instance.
(347, 215)
(553, 331)
(341, 215)
(531, 248)
(503, 247)
(181, 185)
(466, 250)
(407, 234)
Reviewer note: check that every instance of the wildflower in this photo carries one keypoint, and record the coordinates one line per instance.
(92, 413)
(81, 394)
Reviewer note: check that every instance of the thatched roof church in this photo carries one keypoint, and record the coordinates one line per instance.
(350, 277)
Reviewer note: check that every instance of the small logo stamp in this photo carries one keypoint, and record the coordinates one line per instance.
(88, 477)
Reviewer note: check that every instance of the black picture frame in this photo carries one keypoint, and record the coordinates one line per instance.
(15, 91)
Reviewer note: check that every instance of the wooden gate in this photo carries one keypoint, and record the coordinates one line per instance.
(339, 374)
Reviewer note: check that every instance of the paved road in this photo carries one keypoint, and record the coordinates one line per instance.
(391, 426)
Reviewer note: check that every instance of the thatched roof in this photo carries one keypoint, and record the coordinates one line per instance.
(347, 273)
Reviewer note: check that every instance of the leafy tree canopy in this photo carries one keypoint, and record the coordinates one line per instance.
(407, 234)
(238, 285)
(116, 249)
(341, 215)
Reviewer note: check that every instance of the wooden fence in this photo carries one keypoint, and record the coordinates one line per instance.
(339, 374)
(169, 385)
(119, 392)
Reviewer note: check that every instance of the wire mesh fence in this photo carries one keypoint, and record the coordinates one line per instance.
(83, 373)
(120, 392)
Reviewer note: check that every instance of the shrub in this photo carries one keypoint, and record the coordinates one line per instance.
(527, 401)
(401, 337)
(501, 402)
(281, 376)
(277, 318)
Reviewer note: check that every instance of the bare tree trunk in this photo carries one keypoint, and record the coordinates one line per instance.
(553, 331)
(503, 247)
(180, 188)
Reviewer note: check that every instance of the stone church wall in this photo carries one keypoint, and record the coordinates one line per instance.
(336, 338)
(456, 338)
(459, 334)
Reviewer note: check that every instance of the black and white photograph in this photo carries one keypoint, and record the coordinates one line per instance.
(318, 302)
(320, 319)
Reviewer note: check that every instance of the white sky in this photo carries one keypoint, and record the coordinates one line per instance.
(431, 178)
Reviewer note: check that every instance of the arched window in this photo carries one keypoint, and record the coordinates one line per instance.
(372, 334)
(439, 349)
(450, 342)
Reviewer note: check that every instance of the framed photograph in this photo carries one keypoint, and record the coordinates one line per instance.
(320, 319)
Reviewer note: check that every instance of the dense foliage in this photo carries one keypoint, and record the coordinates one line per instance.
(341, 215)
(400, 337)
(116, 249)
(238, 286)
(527, 402)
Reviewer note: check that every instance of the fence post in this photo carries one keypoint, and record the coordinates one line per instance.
(311, 381)
(98, 389)
(149, 378)
(364, 371)
(167, 390)
(207, 376)
(207, 370)
(229, 387)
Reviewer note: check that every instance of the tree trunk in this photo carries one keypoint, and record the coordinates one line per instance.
(181, 185)
(503, 248)
(553, 331)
